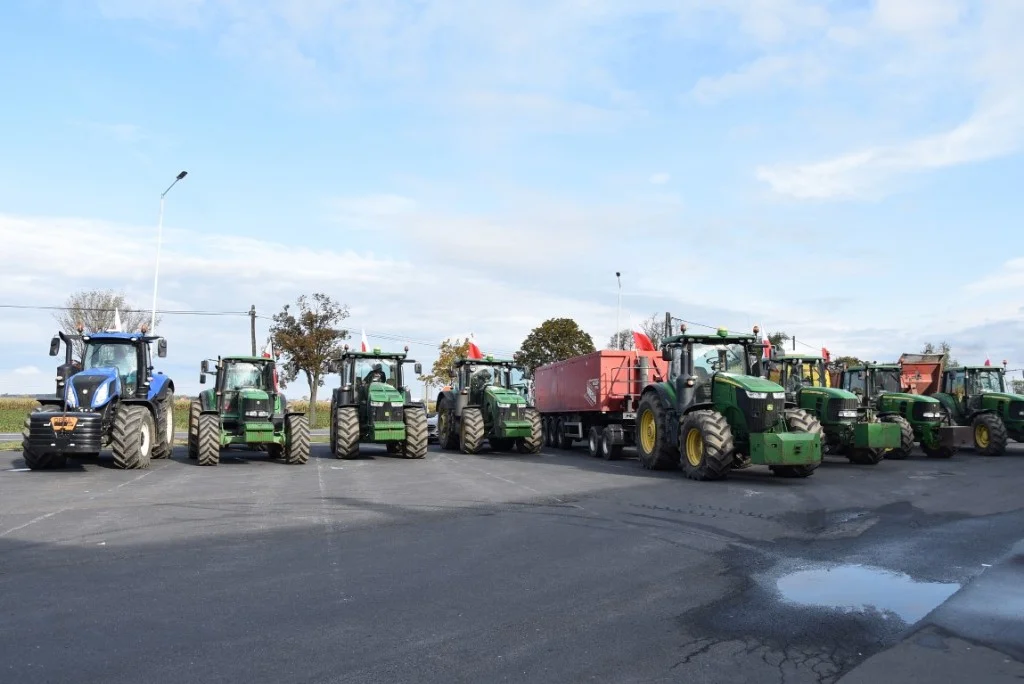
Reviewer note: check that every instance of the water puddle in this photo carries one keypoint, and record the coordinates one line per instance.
(859, 588)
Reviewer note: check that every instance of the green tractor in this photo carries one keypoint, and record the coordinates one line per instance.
(373, 405)
(976, 396)
(484, 404)
(245, 408)
(920, 418)
(850, 429)
(715, 413)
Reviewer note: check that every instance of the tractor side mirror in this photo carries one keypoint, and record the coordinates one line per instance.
(204, 367)
(161, 348)
(666, 354)
(332, 366)
(54, 346)
(417, 368)
(202, 378)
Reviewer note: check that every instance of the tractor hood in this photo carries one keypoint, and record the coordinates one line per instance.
(829, 392)
(383, 392)
(92, 388)
(750, 383)
(1001, 396)
(505, 396)
(907, 396)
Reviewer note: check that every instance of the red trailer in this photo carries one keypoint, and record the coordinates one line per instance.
(922, 373)
(594, 397)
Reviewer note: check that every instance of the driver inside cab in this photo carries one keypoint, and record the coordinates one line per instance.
(376, 374)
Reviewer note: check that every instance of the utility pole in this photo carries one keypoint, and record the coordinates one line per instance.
(618, 309)
(794, 342)
(668, 324)
(252, 327)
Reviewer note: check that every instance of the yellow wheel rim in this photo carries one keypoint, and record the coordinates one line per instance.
(981, 435)
(694, 447)
(648, 431)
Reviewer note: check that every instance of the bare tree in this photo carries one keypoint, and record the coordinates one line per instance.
(653, 326)
(95, 311)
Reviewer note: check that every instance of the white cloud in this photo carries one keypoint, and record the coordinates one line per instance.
(660, 178)
(766, 73)
(27, 370)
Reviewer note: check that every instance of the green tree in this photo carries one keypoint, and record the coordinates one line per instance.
(778, 338)
(553, 340)
(1017, 386)
(308, 340)
(941, 348)
(95, 311)
(448, 351)
(849, 361)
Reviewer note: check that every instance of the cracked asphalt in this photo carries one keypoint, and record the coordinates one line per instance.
(494, 567)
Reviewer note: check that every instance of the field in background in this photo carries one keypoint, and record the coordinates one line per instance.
(14, 409)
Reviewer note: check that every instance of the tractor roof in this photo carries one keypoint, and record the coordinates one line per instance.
(992, 369)
(119, 337)
(486, 361)
(247, 359)
(876, 366)
(804, 358)
(723, 336)
(375, 354)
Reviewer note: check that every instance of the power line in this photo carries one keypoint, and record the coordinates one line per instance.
(180, 312)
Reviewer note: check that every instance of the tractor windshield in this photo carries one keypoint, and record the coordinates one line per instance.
(802, 374)
(887, 380)
(119, 355)
(483, 376)
(244, 375)
(989, 381)
(377, 370)
(711, 358)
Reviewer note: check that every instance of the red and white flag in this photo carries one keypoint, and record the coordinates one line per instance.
(474, 350)
(364, 345)
(642, 342)
(988, 362)
(268, 351)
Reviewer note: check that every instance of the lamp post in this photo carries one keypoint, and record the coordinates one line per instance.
(618, 311)
(159, 240)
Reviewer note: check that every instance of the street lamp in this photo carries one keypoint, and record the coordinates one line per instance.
(618, 310)
(159, 240)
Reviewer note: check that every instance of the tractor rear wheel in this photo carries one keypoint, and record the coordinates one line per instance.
(36, 460)
(208, 439)
(989, 435)
(193, 428)
(906, 437)
(296, 439)
(345, 423)
(415, 444)
(533, 443)
(164, 445)
(706, 445)
(865, 456)
(799, 420)
(471, 436)
(447, 435)
(653, 443)
(132, 436)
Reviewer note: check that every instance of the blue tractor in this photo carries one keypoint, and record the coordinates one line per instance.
(112, 399)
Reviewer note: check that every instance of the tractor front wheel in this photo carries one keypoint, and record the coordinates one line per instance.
(533, 443)
(906, 438)
(133, 436)
(193, 428)
(653, 445)
(164, 445)
(447, 435)
(472, 433)
(706, 445)
(296, 439)
(415, 444)
(865, 456)
(345, 423)
(36, 460)
(990, 435)
(208, 439)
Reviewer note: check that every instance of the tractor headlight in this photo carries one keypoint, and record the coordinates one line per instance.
(102, 394)
(501, 405)
(848, 413)
(376, 403)
(70, 396)
(758, 395)
(932, 414)
(779, 395)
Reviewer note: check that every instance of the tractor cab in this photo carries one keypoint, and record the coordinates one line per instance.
(696, 359)
(870, 381)
(113, 364)
(245, 391)
(796, 371)
(373, 376)
(968, 383)
(476, 375)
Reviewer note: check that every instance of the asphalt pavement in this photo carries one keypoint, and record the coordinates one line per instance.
(504, 567)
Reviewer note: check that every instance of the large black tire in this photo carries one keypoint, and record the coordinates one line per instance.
(164, 446)
(594, 442)
(208, 439)
(990, 434)
(332, 424)
(415, 444)
(132, 436)
(562, 440)
(799, 420)
(447, 434)
(194, 409)
(609, 451)
(346, 432)
(296, 439)
(906, 438)
(549, 432)
(471, 436)
(865, 456)
(535, 442)
(36, 460)
(706, 445)
(653, 443)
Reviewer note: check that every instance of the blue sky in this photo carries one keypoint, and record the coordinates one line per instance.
(845, 171)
